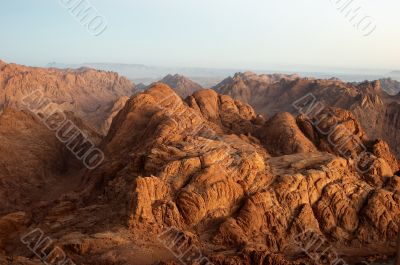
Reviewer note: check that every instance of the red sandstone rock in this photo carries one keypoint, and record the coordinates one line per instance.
(209, 168)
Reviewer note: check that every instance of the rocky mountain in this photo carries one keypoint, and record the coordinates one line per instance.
(251, 88)
(183, 86)
(31, 157)
(390, 86)
(89, 93)
(113, 111)
(148, 74)
(206, 180)
(209, 77)
(35, 157)
(376, 110)
(140, 87)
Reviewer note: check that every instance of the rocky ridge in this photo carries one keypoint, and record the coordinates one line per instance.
(87, 92)
(240, 188)
(376, 110)
(183, 86)
(390, 86)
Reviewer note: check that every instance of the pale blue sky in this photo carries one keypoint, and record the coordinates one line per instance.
(207, 33)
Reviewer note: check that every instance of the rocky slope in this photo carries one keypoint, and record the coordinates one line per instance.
(87, 92)
(208, 168)
(183, 86)
(38, 152)
(390, 86)
(31, 158)
(376, 110)
(113, 111)
(227, 190)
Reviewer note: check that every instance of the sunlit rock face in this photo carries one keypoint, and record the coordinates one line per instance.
(238, 187)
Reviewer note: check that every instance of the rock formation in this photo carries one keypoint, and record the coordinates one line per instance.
(376, 110)
(390, 86)
(31, 157)
(113, 110)
(86, 92)
(204, 180)
(281, 136)
(183, 86)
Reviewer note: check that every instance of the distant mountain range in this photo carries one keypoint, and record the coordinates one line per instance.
(139, 73)
(208, 77)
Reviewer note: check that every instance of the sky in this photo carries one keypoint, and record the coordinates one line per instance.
(252, 34)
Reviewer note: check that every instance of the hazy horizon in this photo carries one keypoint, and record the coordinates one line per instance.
(277, 67)
(208, 77)
(210, 34)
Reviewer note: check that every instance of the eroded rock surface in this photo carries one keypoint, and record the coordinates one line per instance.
(282, 136)
(86, 92)
(233, 192)
(31, 156)
(239, 189)
(376, 110)
(183, 86)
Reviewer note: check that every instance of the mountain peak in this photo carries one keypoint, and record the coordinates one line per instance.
(245, 75)
(371, 87)
(2, 64)
(248, 74)
(268, 78)
(390, 86)
(182, 85)
(174, 78)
